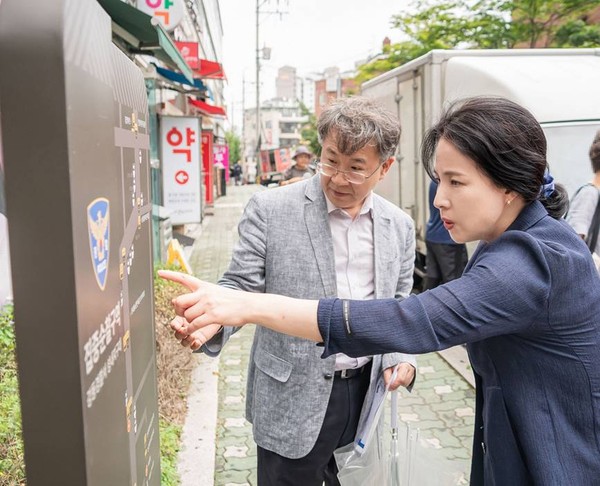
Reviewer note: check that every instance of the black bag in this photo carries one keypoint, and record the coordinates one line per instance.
(592, 234)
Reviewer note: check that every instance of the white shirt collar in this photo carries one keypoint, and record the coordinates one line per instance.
(366, 207)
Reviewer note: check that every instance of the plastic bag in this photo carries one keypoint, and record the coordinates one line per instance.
(392, 455)
(364, 461)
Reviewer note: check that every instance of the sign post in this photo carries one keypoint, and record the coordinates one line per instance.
(79, 207)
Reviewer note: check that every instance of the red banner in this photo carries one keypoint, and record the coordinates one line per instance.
(208, 163)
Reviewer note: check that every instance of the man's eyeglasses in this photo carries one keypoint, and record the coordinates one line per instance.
(351, 176)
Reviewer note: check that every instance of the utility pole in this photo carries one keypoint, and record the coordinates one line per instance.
(244, 117)
(259, 4)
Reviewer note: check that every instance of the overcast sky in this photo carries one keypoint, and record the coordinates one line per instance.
(311, 36)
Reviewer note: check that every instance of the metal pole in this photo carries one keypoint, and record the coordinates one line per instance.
(244, 117)
(257, 89)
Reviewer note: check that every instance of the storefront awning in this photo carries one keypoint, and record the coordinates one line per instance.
(144, 35)
(210, 70)
(208, 110)
(180, 78)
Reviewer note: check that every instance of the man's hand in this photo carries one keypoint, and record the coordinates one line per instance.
(405, 376)
(290, 181)
(195, 339)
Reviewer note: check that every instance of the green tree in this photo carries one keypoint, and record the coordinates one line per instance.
(484, 24)
(309, 133)
(576, 33)
(535, 23)
(431, 24)
(234, 143)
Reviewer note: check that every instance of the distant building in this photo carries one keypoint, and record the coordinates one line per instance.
(333, 85)
(289, 85)
(305, 92)
(285, 83)
(281, 124)
(206, 29)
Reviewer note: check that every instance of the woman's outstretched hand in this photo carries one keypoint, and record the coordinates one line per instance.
(206, 304)
(211, 305)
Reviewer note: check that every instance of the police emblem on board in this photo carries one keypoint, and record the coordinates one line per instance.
(98, 217)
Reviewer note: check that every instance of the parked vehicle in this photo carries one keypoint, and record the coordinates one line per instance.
(559, 86)
(273, 163)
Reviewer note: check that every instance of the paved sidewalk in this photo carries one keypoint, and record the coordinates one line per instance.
(217, 438)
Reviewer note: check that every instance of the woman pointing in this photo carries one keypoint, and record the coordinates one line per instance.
(527, 305)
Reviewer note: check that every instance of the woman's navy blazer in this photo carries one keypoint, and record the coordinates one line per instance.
(528, 305)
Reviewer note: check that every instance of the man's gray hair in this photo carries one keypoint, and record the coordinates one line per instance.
(358, 121)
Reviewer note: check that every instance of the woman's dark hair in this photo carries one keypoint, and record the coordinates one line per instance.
(505, 141)
(595, 153)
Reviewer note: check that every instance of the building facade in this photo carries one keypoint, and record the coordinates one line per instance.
(285, 83)
(281, 125)
(334, 84)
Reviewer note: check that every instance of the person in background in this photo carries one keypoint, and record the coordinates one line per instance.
(446, 259)
(237, 174)
(527, 304)
(300, 169)
(584, 202)
(324, 236)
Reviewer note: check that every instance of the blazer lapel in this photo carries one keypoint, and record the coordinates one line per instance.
(382, 250)
(317, 224)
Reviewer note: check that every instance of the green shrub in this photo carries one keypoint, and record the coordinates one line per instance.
(170, 437)
(12, 464)
(174, 369)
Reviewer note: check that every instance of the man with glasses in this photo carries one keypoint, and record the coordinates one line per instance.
(323, 237)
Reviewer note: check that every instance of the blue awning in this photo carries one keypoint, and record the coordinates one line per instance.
(180, 78)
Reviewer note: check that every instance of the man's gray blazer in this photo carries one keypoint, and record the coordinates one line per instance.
(286, 248)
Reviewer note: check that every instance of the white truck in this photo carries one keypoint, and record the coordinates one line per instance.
(561, 87)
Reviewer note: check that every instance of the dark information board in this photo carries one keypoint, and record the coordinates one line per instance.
(74, 129)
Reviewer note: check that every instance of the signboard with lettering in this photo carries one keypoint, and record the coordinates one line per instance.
(190, 53)
(180, 150)
(79, 211)
(168, 12)
(221, 154)
(208, 164)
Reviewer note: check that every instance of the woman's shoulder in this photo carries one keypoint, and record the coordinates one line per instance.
(548, 243)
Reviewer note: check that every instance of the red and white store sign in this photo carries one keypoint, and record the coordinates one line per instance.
(180, 152)
(168, 12)
(189, 52)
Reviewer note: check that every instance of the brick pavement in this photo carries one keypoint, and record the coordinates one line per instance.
(441, 405)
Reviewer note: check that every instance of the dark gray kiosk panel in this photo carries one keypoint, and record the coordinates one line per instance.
(74, 129)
